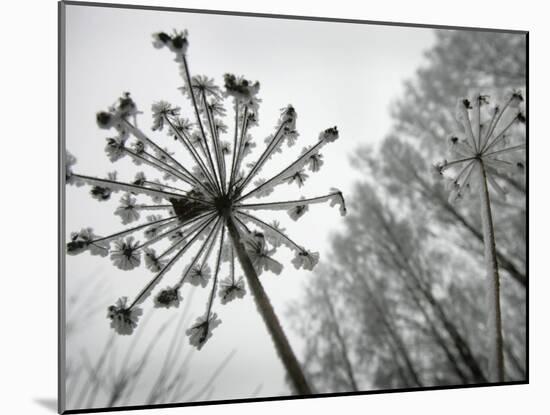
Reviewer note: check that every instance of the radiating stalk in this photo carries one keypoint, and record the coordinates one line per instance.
(235, 141)
(265, 155)
(198, 117)
(184, 139)
(215, 141)
(268, 314)
(494, 322)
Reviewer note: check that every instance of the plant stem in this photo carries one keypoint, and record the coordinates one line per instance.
(494, 322)
(268, 314)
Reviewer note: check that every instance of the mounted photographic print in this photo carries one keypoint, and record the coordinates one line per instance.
(260, 207)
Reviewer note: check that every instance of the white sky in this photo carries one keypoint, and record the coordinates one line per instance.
(332, 73)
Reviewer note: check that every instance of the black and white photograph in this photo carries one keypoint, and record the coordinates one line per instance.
(264, 207)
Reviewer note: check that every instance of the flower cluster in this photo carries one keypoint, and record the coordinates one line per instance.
(483, 148)
(197, 198)
(124, 319)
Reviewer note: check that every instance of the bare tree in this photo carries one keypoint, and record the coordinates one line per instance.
(407, 271)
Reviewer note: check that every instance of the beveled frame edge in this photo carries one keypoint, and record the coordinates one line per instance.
(61, 301)
(289, 17)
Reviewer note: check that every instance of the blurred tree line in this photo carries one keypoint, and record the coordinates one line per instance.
(401, 302)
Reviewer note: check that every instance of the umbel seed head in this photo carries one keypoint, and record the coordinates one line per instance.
(198, 200)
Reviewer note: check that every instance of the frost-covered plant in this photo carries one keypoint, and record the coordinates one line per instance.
(480, 153)
(203, 200)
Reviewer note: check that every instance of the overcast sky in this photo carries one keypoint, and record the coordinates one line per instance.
(332, 73)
